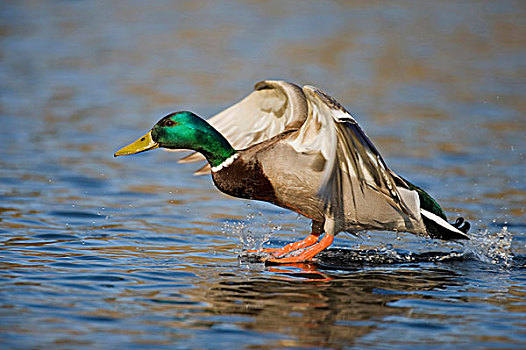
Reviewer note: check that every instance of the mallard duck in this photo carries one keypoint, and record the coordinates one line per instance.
(299, 149)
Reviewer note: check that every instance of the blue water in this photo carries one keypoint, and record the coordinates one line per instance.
(137, 253)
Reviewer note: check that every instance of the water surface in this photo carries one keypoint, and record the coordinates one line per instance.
(135, 252)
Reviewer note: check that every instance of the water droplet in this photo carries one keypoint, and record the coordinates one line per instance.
(491, 247)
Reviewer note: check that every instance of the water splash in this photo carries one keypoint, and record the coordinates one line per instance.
(491, 247)
(346, 259)
(485, 246)
(254, 232)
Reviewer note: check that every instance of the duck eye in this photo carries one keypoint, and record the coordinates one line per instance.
(169, 122)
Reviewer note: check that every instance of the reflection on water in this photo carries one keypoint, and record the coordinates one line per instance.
(138, 253)
(330, 312)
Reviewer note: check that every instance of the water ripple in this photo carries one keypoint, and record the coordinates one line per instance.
(137, 253)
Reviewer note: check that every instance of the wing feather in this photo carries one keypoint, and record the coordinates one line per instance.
(353, 164)
(272, 108)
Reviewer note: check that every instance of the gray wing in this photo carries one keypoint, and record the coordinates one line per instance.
(357, 187)
(272, 108)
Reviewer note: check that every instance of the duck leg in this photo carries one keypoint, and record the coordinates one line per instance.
(316, 231)
(307, 254)
(311, 244)
(277, 252)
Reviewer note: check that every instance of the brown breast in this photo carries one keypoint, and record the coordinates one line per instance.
(245, 179)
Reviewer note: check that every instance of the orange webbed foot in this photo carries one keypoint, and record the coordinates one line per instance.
(264, 250)
(306, 242)
(305, 255)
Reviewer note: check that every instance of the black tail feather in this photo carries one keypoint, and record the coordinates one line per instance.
(439, 228)
(462, 225)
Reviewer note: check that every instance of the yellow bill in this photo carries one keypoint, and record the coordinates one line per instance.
(143, 144)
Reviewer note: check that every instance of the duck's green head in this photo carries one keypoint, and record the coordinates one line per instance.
(183, 130)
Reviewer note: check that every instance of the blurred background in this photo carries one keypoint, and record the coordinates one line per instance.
(137, 252)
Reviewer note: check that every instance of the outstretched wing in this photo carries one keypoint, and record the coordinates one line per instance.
(272, 108)
(355, 176)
